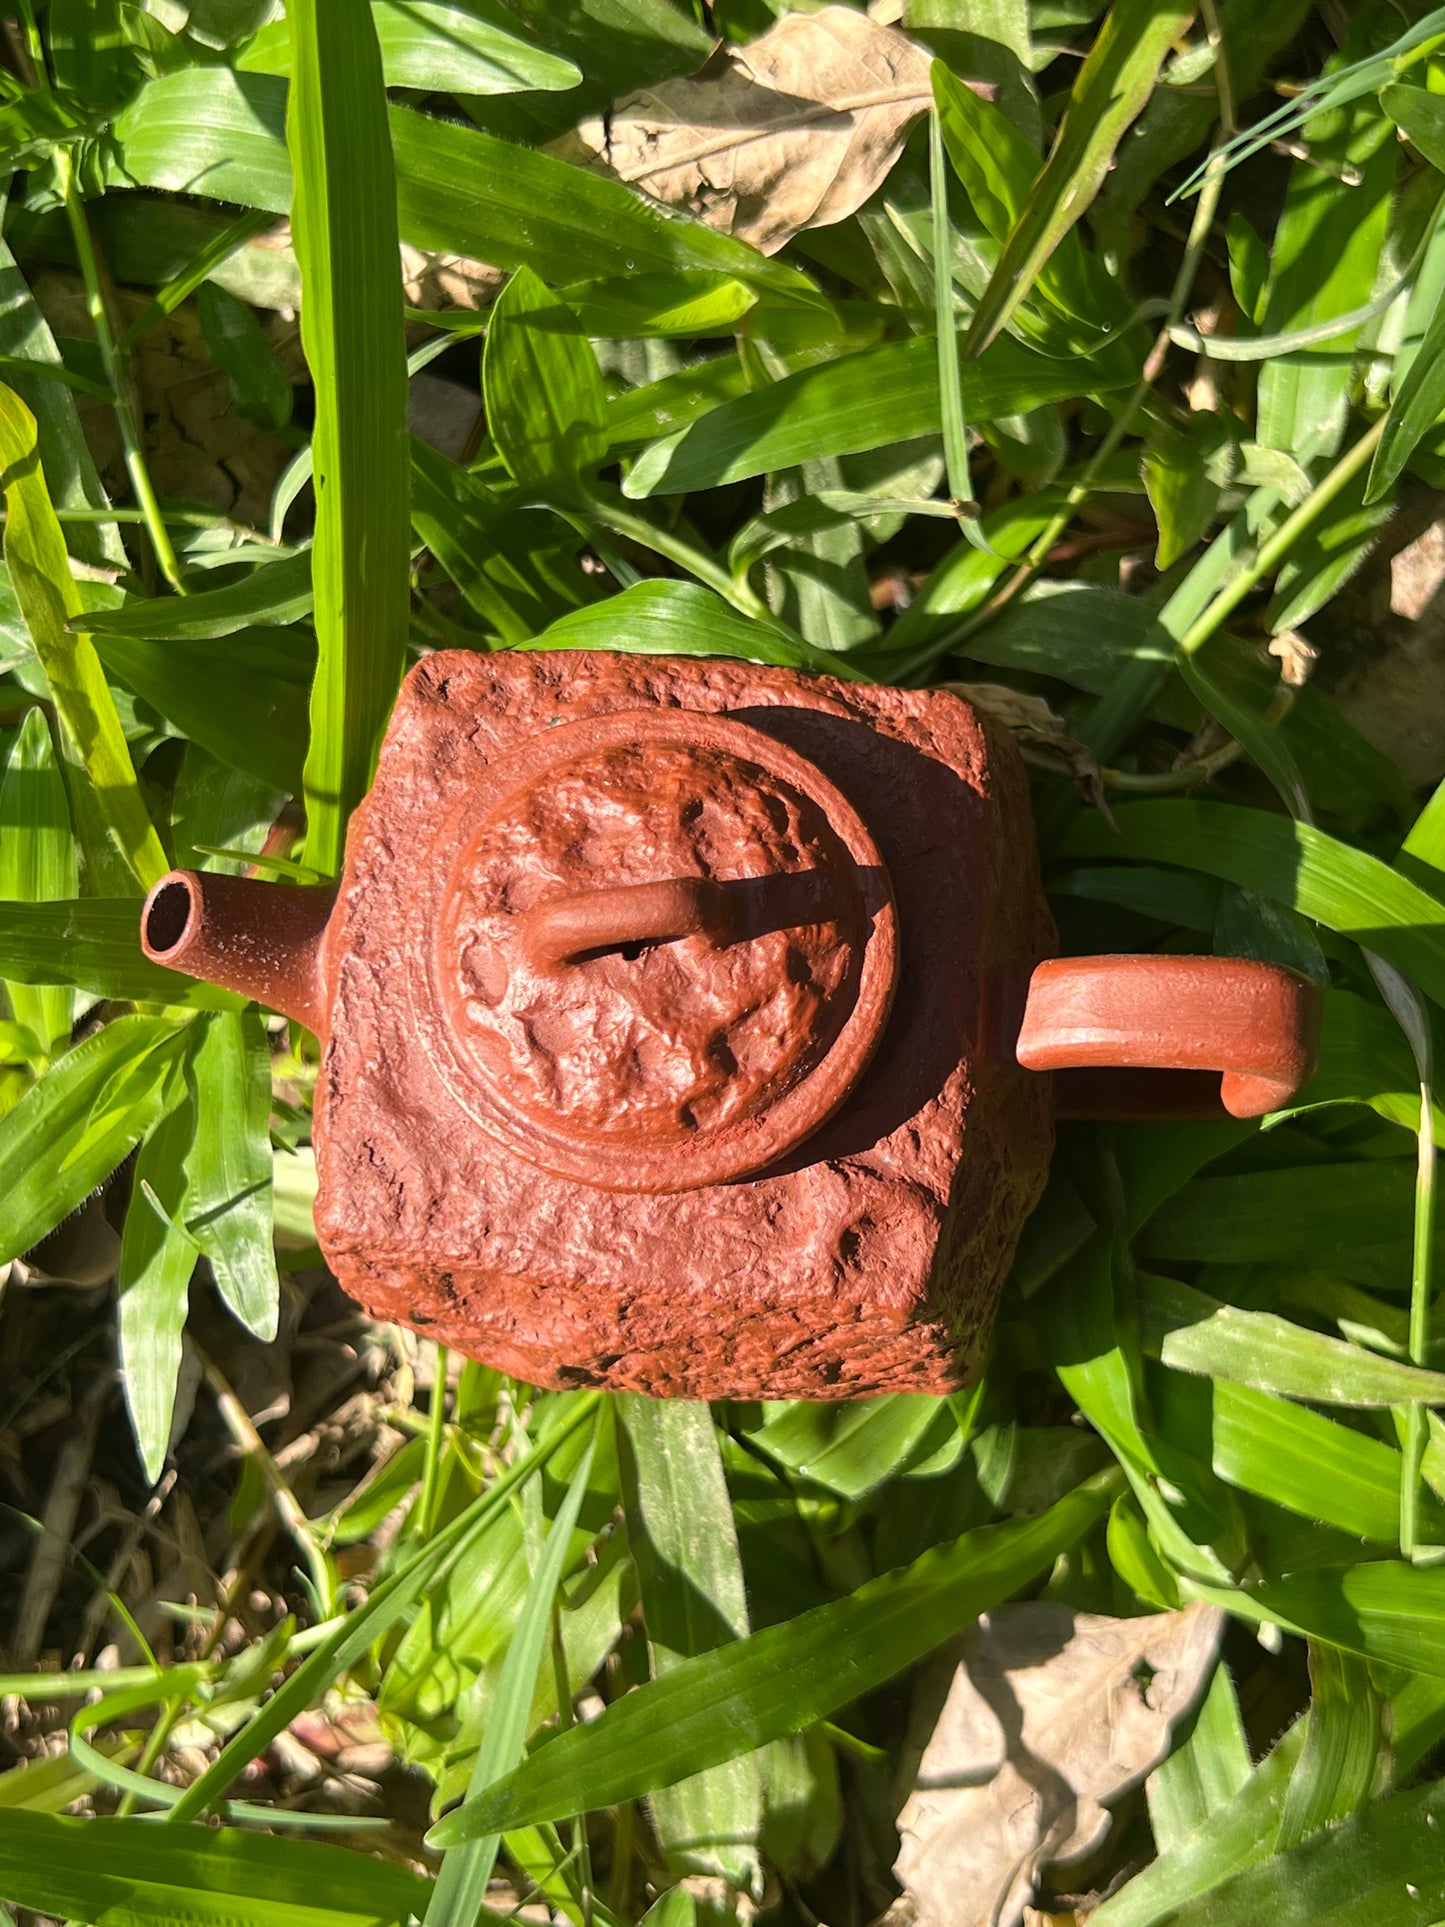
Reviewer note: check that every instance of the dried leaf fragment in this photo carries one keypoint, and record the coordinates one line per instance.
(1049, 1714)
(795, 130)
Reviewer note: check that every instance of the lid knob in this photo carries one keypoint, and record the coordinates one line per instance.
(563, 929)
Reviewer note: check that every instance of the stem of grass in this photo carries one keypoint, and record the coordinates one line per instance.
(115, 373)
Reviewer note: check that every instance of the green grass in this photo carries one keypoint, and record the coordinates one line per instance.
(980, 430)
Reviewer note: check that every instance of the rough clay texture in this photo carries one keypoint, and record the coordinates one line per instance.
(869, 1261)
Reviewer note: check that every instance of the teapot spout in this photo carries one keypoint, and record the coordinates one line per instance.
(265, 940)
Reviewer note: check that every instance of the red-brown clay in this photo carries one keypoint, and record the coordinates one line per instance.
(265, 940)
(1257, 1023)
(669, 1011)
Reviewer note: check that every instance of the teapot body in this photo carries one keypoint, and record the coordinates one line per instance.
(867, 1256)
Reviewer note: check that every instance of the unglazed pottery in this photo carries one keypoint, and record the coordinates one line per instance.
(682, 1023)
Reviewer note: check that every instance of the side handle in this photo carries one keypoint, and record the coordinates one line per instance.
(1257, 1024)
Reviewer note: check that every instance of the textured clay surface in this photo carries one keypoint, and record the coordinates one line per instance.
(870, 1258)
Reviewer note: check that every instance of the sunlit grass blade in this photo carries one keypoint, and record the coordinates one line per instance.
(1114, 82)
(737, 1698)
(685, 1546)
(123, 850)
(346, 241)
(70, 1130)
(352, 1638)
(462, 1881)
(37, 863)
(111, 1869)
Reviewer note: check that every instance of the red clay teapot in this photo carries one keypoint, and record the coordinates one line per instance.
(682, 1023)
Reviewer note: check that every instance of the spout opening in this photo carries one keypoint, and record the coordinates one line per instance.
(171, 917)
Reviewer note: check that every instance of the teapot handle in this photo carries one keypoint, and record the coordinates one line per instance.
(1097, 1019)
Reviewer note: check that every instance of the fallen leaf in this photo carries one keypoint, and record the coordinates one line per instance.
(795, 130)
(1049, 1714)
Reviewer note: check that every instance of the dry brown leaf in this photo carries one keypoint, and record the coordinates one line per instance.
(795, 130)
(1049, 1715)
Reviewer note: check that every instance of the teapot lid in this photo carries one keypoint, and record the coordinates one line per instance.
(666, 948)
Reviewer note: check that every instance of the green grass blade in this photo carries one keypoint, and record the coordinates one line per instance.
(1385, 1865)
(461, 1884)
(1192, 1332)
(94, 943)
(351, 327)
(735, 1699)
(1237, 1835)
(862, 401)
(37, 863)
(684, 1543)
(275, 593)
(106, 792)
(1339, 886)
(1114, 83)
(70, 1131)
(227, 1200)
(156, 1262)
(395, 1597)
(1343, 1739)
(1201, 1777)
(435, 49)
(657, 618)
(116, 1870)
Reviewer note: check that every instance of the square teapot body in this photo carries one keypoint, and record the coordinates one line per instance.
(544, 1225)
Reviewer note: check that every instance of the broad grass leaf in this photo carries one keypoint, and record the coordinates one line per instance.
(1113, 85)
(94, 943)
(734, 1700)
(1237, 1834)
(1184, 475)
(997, 167)
(242, 700)
(546, 409)
(514, 566)
(1192, 1332)
(1202, 1775)
(794, 130)
(1415, 408)
(1328, 553)
(1337, 885)
(381, 1494)
(1343, 1743)
(1387, 1610)
(659, 618)
(862, 401)
(1310, 1211)
(433, 48)
(260, 386)
(459, 191)
(684, 1543)
(37, 863)
(156, 1262)
(640, 415)
(849, 1448)
(1310, 1464)
(390, 1601)
(270, 596)
(461, 1883)
(685, 303)
(228, 1164)
(1323, 263)
(132, 1870)
(123, 849)
(1385, 1865)
(345, 228)
(70, 1131)
(70, 470)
